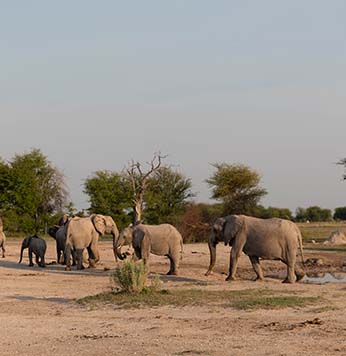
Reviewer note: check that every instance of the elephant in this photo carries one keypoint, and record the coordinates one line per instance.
(84, 233)
(58, 232)
(161, 240)
(59, 235)
(2, 239)
(36, 246)
(269, 239)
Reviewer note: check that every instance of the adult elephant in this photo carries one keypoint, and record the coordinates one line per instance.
(270, 239)
(84, 233)
(162, 240)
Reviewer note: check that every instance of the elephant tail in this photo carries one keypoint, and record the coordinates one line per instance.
(181, 248)
(300, 241)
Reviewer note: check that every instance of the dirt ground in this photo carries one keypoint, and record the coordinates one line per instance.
(38, 314)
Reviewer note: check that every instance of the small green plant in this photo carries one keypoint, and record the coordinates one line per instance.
(130, 276)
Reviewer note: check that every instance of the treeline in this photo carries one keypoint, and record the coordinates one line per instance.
(33, 196)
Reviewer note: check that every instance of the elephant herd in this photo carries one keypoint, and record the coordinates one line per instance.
(77, 240)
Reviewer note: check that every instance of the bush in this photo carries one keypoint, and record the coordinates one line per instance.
(340, 213)
(130, 276)
(194, 224)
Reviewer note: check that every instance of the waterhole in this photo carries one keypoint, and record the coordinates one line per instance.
(325, 278)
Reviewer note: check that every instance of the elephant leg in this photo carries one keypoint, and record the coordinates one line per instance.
(172, 270)
(79, 258)
(174, 263)
(30, 257)
(94, 255)
(74, 260)
(58, 253)
(233, 261)
(138, 253)
(42, 262)
(145, 257)
(290, 270)
(68, 257)
(92, 258)
(257, 267)
(300, 273)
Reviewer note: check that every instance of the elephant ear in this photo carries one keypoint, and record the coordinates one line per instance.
(99, 223)
(219, 225)
(233, 225)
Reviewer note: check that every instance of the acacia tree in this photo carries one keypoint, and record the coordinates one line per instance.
(156, 195)
(139, 181)
(237, 187)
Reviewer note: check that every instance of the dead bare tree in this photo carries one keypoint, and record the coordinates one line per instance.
(139, 180)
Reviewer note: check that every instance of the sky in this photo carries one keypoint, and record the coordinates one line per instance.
(94, 84)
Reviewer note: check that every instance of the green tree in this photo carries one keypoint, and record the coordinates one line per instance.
(237, 187)
(313, 213)
(110, 194)
(167, 195)
(32, 190)
(340, 213)
(273, 212)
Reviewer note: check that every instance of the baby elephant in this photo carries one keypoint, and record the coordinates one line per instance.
(36, 245)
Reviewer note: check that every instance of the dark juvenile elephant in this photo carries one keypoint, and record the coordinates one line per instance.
(59, 235)
(270, 239)
(36, 246)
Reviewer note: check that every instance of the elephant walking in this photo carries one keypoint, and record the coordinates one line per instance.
(84, 233)
(36, 246)
(270, 239)
(162, 240)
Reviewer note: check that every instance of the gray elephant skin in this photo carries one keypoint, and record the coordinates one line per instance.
(161, 240)
(59, 235)
(84, 233)
(2, 240)
(270, 239)
(37, 246)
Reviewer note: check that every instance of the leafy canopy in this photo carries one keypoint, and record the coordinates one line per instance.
(32, 189)
(111, 193)
(237, 187)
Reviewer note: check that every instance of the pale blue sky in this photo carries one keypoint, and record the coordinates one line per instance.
(94, 84)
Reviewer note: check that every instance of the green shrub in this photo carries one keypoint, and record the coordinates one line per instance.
(131, 277)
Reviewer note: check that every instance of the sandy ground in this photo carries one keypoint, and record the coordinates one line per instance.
(38, 315)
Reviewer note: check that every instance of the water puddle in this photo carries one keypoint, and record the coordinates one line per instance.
(325, 278)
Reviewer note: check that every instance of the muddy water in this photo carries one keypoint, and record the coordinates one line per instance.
(325, 278)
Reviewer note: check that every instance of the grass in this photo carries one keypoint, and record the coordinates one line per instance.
(319, 247)
(319, 231)
(245, 299)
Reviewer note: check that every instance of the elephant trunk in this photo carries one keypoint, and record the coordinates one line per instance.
(117, 249)
(115, 234)
(118, 253)
(212, 250)
(21, 254)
